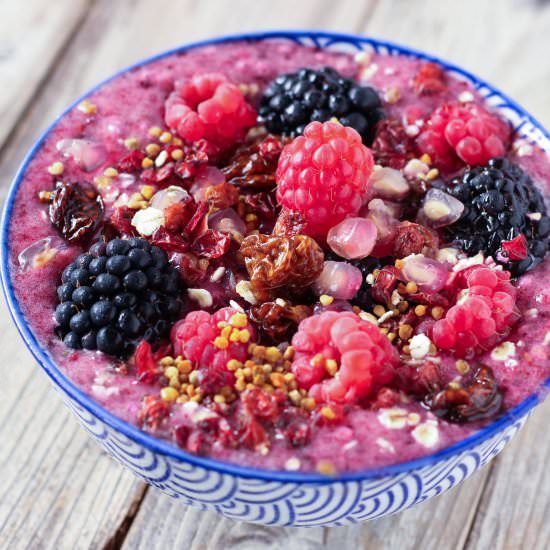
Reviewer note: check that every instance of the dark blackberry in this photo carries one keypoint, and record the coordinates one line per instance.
(293, 100)
(117, 295)
(500, 202)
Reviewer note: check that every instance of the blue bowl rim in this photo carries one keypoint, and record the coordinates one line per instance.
(164, 448)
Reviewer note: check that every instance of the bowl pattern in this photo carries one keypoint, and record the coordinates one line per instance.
(305, 504)
(286, 498)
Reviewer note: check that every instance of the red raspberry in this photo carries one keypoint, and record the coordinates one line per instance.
(211, 341)
(323, 175)
(209, 107)
(364, 357)
(484, 311)
(468, 132)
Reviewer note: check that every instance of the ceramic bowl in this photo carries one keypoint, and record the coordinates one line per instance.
(280, 497)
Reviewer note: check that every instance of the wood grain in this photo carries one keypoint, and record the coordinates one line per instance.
(32, 37)
(59, 490)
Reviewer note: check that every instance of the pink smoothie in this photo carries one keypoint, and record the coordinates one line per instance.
(129, 106)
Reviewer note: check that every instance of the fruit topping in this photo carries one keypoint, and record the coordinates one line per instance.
(209, 107)
(115, 295)
(388, 183)
(479, 399)
(440, 209)
(76, 210)
(339, 357)
(252, 166)
(278, 320)
(466, 133)
(340, 280)
(273, 262)
(211, 341)
(483, 312)
(429, 275)
(353, 238)
(429, 79)
(392, 146)
(324, 175)
(501, 203)
(291, 101)
(413, 238)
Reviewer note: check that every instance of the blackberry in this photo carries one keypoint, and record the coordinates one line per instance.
(293, 100)
(500, 202)
(117, 295)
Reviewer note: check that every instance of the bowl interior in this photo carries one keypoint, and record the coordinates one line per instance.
(523, 123)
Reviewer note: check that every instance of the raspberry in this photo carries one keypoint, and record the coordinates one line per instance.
(211, 341)
(469, 133)
(323, 175)
(339, 357)
(209, 107)
(484, 311)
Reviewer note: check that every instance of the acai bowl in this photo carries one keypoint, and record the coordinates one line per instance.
(369, 396)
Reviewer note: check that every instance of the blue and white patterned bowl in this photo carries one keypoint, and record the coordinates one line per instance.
(278, 497)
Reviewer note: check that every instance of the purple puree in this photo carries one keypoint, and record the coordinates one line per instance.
(133, 103)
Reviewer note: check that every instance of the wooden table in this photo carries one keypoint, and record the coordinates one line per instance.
(58, 489)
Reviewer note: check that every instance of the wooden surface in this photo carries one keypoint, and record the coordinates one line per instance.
(59, 490)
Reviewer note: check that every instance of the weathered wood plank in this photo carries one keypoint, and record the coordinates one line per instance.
(499, 40)
(32, 36)
(514, 509)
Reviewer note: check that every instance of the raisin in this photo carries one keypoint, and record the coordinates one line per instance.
(430, 79)
(413, 238)
(253, 165)
(479, 399)
(273, 262)
(76, 210)
(278, 322)
(221, 196)
(419, 381)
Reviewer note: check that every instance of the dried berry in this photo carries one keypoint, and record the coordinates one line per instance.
(131, 162)
(121, 222)
(392, 146)
(419, 380)
(221, 196)
(430, 79)
(273, 262)
(278, 321)
(178, 215)
(211, 244)
(479, 399)
(76, 210)
(153, 411)
(413, 238)
(253, 165)
(384, 284)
